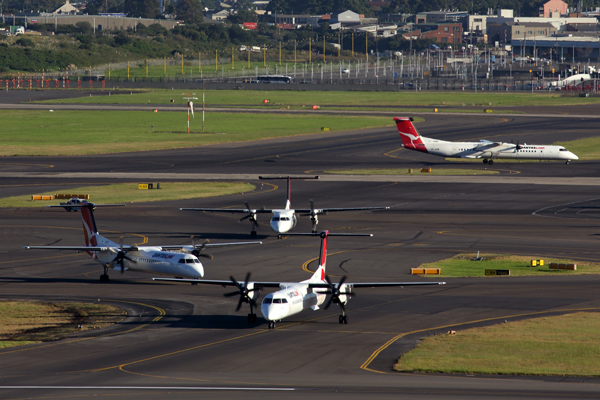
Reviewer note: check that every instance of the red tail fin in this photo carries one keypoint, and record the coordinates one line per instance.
(323, 253)
(409, 135)
(89, 226)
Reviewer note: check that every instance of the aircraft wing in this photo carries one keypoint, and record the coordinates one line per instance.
(198, 246)
(231, 210)
(376, 284)
(82, 248)
(322, 210)
(489, 145)
(78, 248)
(217, 282)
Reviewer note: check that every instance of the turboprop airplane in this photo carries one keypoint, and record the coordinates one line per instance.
(180, 261)
(294, 297)
(283, 219)
(485, 149)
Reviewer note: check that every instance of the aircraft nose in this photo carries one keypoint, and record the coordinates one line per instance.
(270, 313)
(198, 270)
(573, 156)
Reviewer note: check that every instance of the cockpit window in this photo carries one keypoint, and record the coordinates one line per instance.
(563, 149)
(267, 300)
(196, 261)
(275, 218)
(189, 260)
(181, 261)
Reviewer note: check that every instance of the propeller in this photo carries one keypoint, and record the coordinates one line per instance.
(198, 251)
(121, 255)
(335, 292)
(243, 291)
(518, 146)
(251, 216)
(313, 216)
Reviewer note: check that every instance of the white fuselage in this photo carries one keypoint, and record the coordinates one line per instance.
(283, 220)
(291, 299)
(152, 260)
(503, 151)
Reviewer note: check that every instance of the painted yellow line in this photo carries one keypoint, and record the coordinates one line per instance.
(365, 365)
(121, 366)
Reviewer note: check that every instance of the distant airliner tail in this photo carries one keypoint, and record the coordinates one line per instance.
(409, 135)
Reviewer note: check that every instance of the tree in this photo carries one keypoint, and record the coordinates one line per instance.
(84, 27)
(142, 8)
(190, 11)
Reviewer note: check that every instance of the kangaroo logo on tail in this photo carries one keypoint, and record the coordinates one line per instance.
(319, 274)
(409, 135)
(89, 228)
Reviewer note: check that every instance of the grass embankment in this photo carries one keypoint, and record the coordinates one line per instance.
(129, 192)
(585, 149)
(416, 172)
(279, 98)
(462, 265)
(32, 133)
(563, 345)
(25, 322)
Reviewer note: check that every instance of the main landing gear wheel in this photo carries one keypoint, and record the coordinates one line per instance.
(251, 317)
(485, 160)
(104, 278)
(567, 163)
(490, 162)
(281, 236)
(343, 319)
(271, 324)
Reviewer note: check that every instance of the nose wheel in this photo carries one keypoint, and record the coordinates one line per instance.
(251, 318)
(343, 319)
(271, 324)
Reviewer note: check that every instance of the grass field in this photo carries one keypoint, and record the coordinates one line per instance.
(358, 99)
(174, 69)
(129, 193)
(585, 149)
(31, 133)
(562, 346)
(24, 322)
(416, 171)
(462, 265)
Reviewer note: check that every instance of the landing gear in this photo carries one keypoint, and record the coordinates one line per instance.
(251, 318)
(343, 319)
(568, 162)
(104, 276)
(490, 162)
(253, 233)
(485, 160)
(280, 236)
(271, 324)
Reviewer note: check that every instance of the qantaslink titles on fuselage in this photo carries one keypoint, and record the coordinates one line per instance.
(488, 151)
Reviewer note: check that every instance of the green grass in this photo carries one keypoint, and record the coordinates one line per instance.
(25, 322)
(416, 171)
(361, 99)
(129, 193)
(462, 265)
(137, 69)
(561, 346)
(32, 133)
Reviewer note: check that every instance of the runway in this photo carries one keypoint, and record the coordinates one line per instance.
(188, 341)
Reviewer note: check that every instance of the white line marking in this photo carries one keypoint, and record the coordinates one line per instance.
(150, 388)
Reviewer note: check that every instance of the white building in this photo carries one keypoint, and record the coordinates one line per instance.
(66, 8)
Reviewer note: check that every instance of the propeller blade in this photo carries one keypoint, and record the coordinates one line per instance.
(239, 305)
(246, 217)
(231, 294)
(247, 280)
(206, 255)
(247, 206)
(328, 302)
(312, 207)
